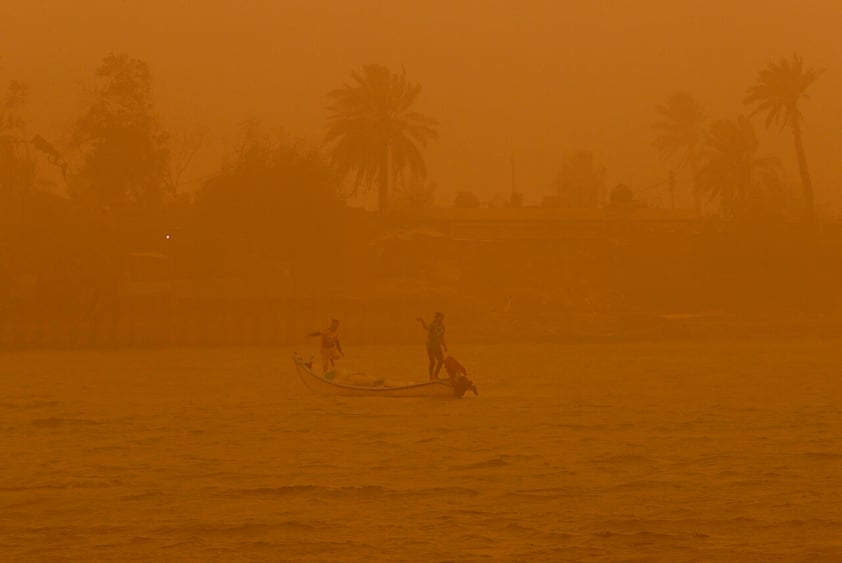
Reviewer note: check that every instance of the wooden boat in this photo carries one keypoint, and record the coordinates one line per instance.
(318, 384)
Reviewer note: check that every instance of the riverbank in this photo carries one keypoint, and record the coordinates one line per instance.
(221, 323)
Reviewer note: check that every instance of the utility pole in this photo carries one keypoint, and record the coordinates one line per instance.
(671, 186)
(513, 173)
(514, 197)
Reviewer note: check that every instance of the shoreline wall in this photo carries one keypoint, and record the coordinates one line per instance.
(222, 323)
(589, 281)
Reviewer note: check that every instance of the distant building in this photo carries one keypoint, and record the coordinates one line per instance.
(535, 222)
(466, 200)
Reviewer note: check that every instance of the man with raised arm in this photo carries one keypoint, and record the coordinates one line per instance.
(436, 346)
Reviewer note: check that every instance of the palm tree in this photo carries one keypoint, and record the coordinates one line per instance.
(732, 171)
(779, 88)
(375, 132)
(680, 129)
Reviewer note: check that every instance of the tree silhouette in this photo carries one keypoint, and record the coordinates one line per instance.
(125, 149)
(11, 105)
(745, 183)
(779, 88)
(16, 171)
(17, 164)
(374, 131)
(680, 129)
(184, 147)
(269, 193)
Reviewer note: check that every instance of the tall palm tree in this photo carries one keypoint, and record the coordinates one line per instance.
(779, 88)
(732, 171)
(374, 131)
(680, 129)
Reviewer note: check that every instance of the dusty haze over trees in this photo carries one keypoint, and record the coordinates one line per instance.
(540, 79)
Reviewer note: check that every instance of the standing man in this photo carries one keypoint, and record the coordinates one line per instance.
(331, 349)
(436, 346)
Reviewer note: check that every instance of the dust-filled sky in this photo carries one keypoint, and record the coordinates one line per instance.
(529, 78)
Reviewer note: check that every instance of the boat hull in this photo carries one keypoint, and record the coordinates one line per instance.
(322, 386)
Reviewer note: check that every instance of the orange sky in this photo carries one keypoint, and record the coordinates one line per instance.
(537, 77)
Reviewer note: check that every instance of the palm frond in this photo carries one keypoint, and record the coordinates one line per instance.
(778, 89)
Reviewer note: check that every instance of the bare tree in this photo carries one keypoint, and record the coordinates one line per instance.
(183, 149)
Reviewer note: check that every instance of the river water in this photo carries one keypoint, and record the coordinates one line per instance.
(673, 451)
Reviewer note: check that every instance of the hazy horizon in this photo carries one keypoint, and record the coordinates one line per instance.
(537, 79)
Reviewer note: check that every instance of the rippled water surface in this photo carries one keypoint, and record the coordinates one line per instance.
(659, 451)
